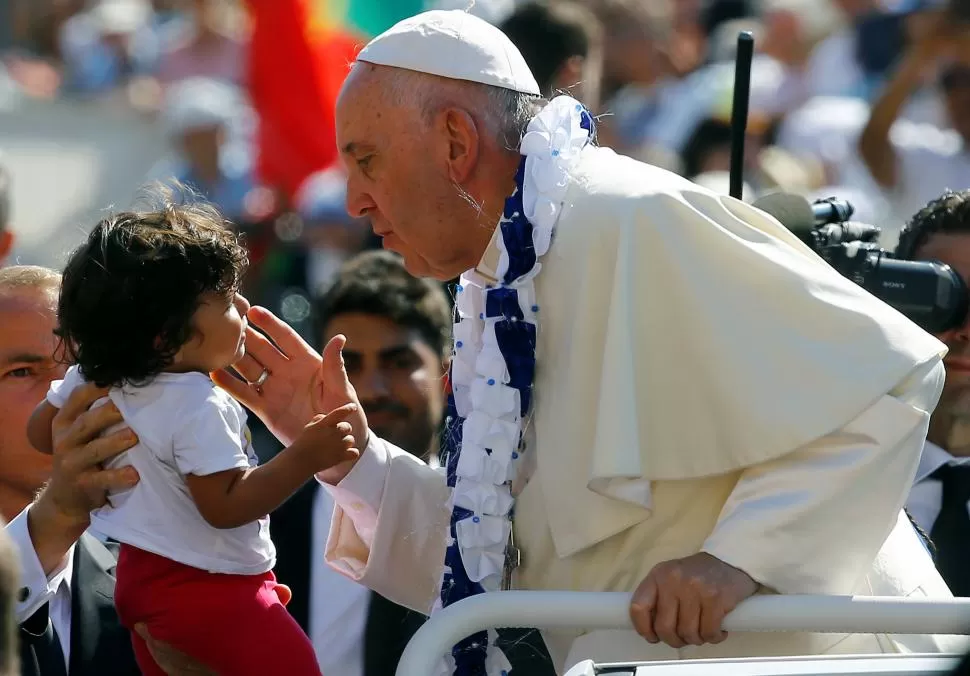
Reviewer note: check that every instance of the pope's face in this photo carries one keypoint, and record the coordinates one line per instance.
(954, 250)
(398, 177)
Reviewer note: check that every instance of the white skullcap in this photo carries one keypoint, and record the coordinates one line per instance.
(452, 44)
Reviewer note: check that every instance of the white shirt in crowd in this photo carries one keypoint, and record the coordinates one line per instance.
(338, 605)
(185, 425)
(926, 497)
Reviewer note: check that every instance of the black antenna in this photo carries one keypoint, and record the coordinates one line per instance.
(739, 110)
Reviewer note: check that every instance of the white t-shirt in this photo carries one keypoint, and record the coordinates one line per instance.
(185, 425)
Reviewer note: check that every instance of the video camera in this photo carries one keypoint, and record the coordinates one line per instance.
(929, 293)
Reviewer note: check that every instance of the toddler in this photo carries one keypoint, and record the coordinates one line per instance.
(149, 307)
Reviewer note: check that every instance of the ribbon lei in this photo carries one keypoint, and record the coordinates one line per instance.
(492, 375)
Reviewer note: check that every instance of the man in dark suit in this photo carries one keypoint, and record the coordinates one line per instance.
(398, 331)
(64, 604)
(939, 501)
(98, 642)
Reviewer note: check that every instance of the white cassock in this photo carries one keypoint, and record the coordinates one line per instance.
(705, 383)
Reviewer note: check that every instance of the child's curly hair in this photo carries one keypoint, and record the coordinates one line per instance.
(130, 291)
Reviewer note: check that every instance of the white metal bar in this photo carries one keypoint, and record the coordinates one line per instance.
(829, 665)
(609, 610)
(815, 665)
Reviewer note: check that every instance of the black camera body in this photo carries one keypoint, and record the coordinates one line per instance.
(959, 10)
(929, 293)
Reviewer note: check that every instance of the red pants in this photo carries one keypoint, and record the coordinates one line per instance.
(233, 624)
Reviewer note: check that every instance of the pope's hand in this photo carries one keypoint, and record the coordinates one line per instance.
(683, 602)
(299, 383)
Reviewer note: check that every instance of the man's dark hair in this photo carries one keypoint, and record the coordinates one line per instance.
(549, 34)
(376, 283)
(948, 213)
(4, 198)
(709, 135)
(130, 291)
(713, 14)
(8, 590)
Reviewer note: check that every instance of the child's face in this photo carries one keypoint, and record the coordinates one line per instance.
(219, 338)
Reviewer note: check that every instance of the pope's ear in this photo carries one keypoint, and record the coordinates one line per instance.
(461, 134)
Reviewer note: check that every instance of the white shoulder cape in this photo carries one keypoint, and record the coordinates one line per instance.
(685, 334)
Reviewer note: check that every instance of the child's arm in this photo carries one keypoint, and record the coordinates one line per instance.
(235, 497)
(39, 427)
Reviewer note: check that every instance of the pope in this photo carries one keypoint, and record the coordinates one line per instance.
(655, 389)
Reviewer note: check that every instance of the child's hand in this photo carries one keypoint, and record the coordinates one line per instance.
(329, 438)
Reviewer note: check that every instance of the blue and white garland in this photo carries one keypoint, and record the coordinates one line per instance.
(492, 374)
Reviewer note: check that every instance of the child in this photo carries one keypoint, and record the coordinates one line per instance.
(149, 307)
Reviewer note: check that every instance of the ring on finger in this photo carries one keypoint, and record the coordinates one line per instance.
(258, 383)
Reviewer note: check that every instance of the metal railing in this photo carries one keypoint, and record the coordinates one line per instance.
(609, 610)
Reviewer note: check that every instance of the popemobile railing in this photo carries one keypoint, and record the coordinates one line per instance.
(609, 610)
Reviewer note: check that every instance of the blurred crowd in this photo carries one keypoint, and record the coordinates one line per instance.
(865, 99)
(186, 66)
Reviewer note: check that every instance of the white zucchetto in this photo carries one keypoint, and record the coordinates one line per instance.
(452, 44)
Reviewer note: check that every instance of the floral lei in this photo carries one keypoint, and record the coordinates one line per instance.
(492, 374)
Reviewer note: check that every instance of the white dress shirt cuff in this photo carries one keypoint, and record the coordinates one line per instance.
(359, 494)
(36, 588)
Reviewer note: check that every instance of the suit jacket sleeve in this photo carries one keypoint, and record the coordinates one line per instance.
(813, 521)
(39, 587)
(390, 525)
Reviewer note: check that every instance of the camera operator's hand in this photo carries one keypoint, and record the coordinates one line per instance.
(937, 38)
